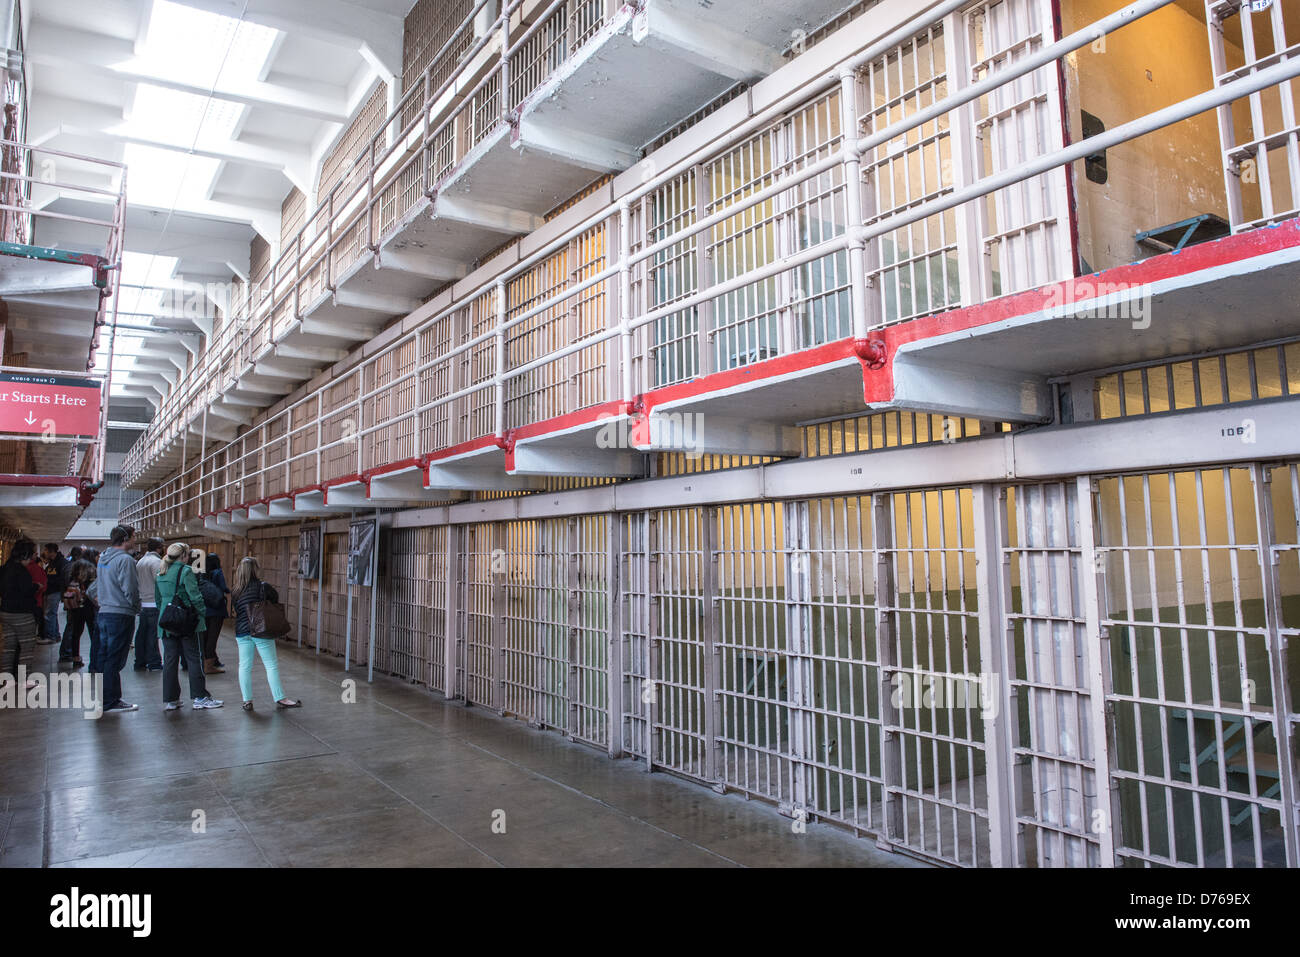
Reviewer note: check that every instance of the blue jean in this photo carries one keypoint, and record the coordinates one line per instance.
(96, 646)
(52, 604)
(115, 642)
(146, 640)
(249, 648)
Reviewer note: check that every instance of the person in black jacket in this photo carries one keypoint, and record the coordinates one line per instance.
(17, 604)
(250, 588)
(56, 568)
(213, 585)
(78, 609)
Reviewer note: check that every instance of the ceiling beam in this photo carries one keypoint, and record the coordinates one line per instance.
(65, 117)
(81, 52)
(377, 35)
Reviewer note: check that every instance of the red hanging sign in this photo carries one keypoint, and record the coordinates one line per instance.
(31, 403)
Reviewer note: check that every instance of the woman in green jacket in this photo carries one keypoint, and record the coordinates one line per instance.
(176, 576)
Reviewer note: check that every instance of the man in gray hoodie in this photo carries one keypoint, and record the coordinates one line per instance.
(119, 603)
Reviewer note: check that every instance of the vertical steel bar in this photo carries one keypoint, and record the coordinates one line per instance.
(454, 548)
(374, 599)
(617, 619)
(1097, 674)
(853, 202)
(320, 587)
(993, 660)
(347, 637)
(891, 759)
(1279, 663)
(711, 652)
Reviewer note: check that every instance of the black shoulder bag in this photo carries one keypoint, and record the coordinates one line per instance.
(178, 618)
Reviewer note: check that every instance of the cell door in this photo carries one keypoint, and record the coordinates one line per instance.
(1048, 578)
(679, 549)
(475, 660)
(1198, 725)
(935, 765)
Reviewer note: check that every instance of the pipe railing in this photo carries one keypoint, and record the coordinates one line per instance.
(854, 238)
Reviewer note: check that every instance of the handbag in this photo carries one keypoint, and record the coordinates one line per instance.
(178, 618)
(266, 619)
(212, 598)
(72, 598)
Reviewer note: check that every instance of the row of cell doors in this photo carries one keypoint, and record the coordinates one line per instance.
(1078, 673)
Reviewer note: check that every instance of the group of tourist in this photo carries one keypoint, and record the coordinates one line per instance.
(120, 597)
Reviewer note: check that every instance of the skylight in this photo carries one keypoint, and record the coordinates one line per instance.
(204, 48)
(200, 49)
(172, 116)
(163, 178)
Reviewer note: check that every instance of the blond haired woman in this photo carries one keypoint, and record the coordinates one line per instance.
(250, 588)
(176, 580)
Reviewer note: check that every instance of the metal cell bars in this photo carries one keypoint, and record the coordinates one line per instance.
(481, 564)
(753, 649)
(1194, 753)
(392, 393)
(742, 327)
(818, 292)
(1026, 243)
(535, 659)
(668, 276)
(339, 428)
(413, 586)
(483, 114)
(1260, 136)
(436, 636)
(304, 436)
(532, 395)
(1285, 508)
(579, 379)
(884, 430)
(427, 28)
(334, 566)
(637, 616)
(935, 784)
(539, 55)
(680, 736)
(589, 607)
(1050, 657)
(477, 366)
(838, 743)
(914, 270)
(1222, 379)
(435, 383)
(275, 452)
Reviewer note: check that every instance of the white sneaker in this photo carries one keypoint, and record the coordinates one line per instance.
(198, 704)
(172, 706)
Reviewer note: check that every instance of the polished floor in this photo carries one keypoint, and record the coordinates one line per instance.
(398, 778)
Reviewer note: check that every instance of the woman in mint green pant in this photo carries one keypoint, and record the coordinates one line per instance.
(250, 588)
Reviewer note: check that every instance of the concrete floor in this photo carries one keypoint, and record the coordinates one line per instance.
(399, 778)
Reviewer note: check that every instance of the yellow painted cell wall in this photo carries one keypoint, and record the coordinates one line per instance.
(1158, 179)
